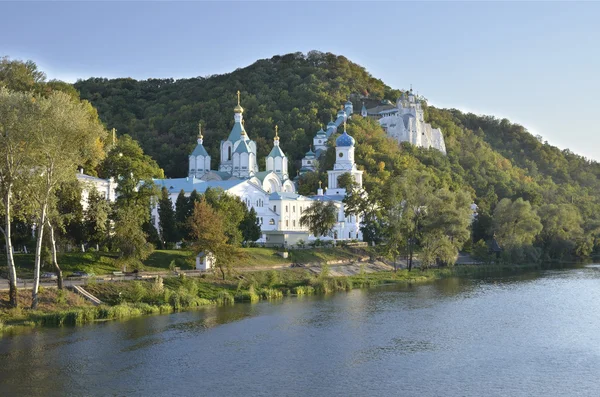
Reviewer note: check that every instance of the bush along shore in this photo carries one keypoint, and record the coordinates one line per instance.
(127, 299)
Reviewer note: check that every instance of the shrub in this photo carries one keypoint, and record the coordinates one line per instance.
(272, 278)
(271, 293)
(224, 297)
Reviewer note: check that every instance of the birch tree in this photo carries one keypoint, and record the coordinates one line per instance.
(16, 119)
(65, 133)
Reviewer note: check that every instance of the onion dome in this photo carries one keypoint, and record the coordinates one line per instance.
(238, 108)
(344, 140)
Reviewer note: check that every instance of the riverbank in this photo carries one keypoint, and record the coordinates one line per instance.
(160, 295)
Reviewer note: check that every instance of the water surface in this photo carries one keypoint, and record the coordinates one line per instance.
(532, 335)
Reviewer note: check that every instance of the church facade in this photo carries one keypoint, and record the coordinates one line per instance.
(270, 192)
(405, 122)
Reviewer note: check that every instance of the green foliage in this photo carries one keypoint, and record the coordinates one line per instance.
(320, 218)
(516, 223)
(249, 226)
(167, 222)
(96, 218)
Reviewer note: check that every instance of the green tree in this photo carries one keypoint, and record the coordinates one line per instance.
(129, 238)
(562, 230)
(69, 219)
(20, 76)
(515, 223)
(167, 222)
(250, 227)
(231, 209)
(66, 134)
(208, 234)
(182, 213)
(320, 218)
(96, 217)
(17, 118)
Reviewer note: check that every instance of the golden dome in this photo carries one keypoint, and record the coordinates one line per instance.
(238, 108)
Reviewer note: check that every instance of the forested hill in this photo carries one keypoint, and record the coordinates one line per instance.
(298, 92)
(490, 158)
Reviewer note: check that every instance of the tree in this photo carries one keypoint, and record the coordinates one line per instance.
(96, 217)
(250, 227)
(562, 231)
(446, 228)
(231, 209)
(20, 76)
(208, 234)
(133, 170)
(16, 120)
(69, 216)
(129, 238)
(309, 182)
(182, 213)
(515, 223)
(66, 134)
(166, 216)
(320, 217)
(421, 215)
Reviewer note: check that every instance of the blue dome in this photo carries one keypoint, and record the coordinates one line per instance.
(344, 140)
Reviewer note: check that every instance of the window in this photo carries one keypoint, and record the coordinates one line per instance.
(274, 208)
(341, 154)
(272, 221)
(294, 222)
(229, 153)
(294, 209)
(307, 162)
(319, 141)
(286, 208)
(287, 223)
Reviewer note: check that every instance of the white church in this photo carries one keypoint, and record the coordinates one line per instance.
(271, 192)
(405, 122)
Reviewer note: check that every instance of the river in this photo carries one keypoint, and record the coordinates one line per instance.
(536, 334)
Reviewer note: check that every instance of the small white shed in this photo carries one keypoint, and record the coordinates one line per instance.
(205, 261)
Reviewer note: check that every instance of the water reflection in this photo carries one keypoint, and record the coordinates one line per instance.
(466, 337)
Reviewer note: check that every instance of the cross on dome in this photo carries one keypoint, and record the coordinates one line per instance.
(238, 108)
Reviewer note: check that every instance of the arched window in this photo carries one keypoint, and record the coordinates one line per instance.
(229, 153)
(272, 221)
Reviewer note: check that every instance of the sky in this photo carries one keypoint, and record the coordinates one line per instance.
(535, 63)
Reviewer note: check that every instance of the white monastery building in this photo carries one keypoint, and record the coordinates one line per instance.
(405, 122)
(271, 192)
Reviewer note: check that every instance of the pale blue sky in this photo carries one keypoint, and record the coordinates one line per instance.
(535, 63)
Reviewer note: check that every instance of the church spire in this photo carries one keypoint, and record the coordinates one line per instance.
(238, 108)
(276, 139)
(200, 136)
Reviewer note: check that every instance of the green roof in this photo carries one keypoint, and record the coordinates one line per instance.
(243, 147)
(276, 152)
(199, 151)
(236, 132)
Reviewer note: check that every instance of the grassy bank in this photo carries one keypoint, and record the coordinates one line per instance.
(101, 263)
(134, 298)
